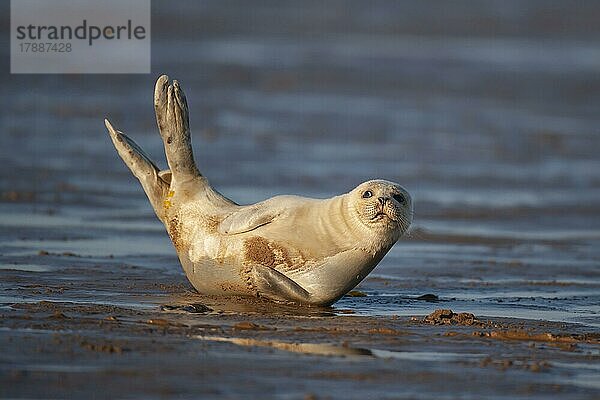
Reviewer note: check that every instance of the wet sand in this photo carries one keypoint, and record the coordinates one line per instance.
(488, 115)
(253, 349)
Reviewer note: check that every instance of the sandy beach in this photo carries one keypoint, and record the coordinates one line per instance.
(488, 114)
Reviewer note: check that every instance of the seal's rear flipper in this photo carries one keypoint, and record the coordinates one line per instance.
(172, 117)
(142, 167)
(274, 285)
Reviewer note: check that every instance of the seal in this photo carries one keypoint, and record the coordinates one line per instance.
(286, 248)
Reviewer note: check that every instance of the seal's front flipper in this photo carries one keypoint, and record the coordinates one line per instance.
(172, 117)
(247, 219)
(142, 167)
(274, 285)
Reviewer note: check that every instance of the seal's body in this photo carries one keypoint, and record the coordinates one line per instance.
(287, 248)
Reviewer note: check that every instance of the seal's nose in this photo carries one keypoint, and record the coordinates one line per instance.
(382, 200)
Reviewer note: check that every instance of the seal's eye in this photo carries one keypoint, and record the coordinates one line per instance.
(399, 198)
(367, 194)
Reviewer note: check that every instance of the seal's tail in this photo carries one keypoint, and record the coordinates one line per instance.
(154, 182)
(172, 117)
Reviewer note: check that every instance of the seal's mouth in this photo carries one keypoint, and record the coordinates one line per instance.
(380, 215)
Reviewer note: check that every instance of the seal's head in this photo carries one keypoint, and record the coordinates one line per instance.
(383, 207)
